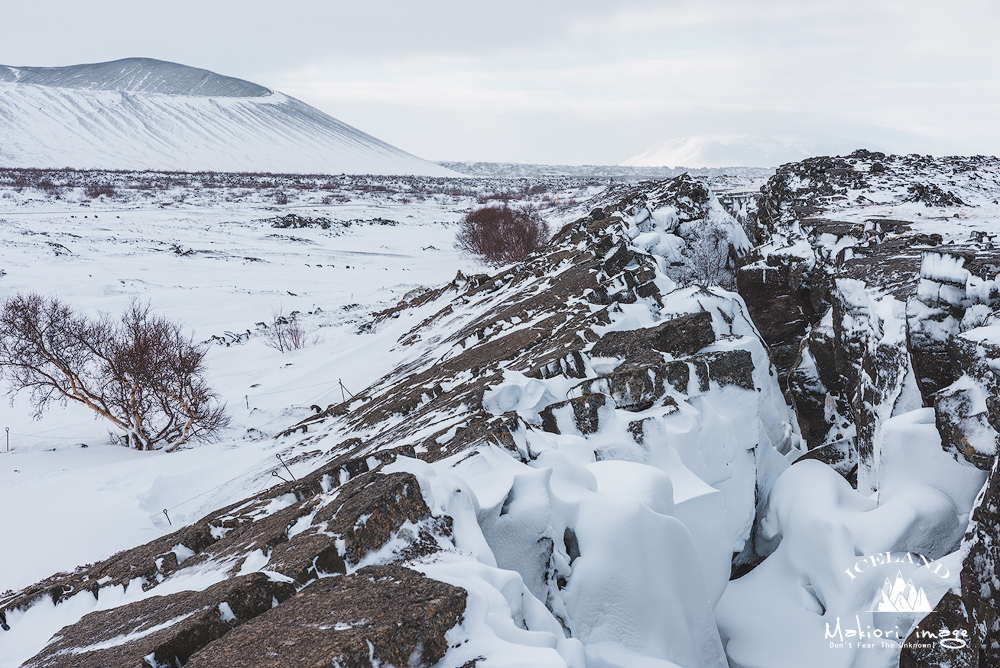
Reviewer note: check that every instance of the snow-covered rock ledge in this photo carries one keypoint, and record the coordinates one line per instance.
(875, 285)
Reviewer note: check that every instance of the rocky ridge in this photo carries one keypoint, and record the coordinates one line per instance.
(875, 288)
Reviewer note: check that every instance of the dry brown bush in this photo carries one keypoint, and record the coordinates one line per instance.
(284, 333)
(502, 234)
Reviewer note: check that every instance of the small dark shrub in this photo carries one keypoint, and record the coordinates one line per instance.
(95, 190)
(501, 234)
(284, 332)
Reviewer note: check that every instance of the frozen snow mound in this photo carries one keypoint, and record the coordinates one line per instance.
(147, 114)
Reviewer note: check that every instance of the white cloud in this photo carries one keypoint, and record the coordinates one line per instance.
(585, 81)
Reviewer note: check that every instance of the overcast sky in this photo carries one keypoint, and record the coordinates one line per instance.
(571, 82)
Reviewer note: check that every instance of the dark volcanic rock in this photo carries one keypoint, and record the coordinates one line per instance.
(841, 456)
(233, 531)
(932, 195)
(784, 297)
(963, 420)
(809, 398)
(728, 367)
(636, 388)
(161, 630)
(975, 612)
(967, 412)
(584, 414)
(366, 513)
(385, 614)
(681, 336)
(981, 570)
(928, 333)
(883, 372)
(778, 295)
(570, 366)
(923, 649)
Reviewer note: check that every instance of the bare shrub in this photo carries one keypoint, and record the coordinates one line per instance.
(95, 190)
(139, 372)
(285, 333)
(707, 259)
(501, 234)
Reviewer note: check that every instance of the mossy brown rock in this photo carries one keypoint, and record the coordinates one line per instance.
(386, 614)
(161, 630)
(681, 336)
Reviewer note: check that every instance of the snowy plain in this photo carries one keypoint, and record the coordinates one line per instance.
(79, 505)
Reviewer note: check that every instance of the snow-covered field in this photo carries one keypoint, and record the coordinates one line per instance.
(220, 270)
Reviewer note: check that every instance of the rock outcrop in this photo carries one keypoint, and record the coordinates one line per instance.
(388, 614)
(873, 307)
(259, 552)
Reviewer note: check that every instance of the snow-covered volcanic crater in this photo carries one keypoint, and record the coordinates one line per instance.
(141, 113)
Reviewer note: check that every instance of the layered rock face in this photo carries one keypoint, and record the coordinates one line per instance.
(151, 606)
(877, 293)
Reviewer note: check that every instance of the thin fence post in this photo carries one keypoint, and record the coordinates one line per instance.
(168, 517)
(344, 389)
(8, 438)
(286, 467)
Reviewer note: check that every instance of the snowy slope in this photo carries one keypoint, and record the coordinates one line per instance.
(739, 151)
(140, 113)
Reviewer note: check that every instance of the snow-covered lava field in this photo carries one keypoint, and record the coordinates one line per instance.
(584, 459)
(213, 258)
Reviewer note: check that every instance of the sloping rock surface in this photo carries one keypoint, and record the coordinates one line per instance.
(385, 614)
(547, 415)
(877, 293)
(162, 630)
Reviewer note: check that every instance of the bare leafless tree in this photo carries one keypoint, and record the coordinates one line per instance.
(707, 259)
(140, 372)
(502, 234)
(284, 333)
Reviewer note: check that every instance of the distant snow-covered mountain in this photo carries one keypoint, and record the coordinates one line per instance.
(741, 151)
(141, 113)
